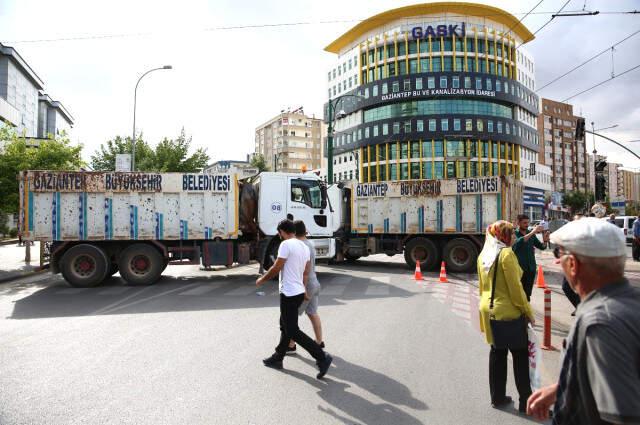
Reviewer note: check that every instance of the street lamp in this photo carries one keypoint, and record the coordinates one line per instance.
(135, 96)
(333, 104)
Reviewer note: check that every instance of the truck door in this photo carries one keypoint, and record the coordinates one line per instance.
(307, 202)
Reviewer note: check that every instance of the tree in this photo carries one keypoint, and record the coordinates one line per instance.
(170, 155)
(15, 155)
(258, 161)
(105, 159)
(576, 201)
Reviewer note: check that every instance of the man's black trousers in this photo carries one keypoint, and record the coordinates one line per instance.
(498, 373)
(635, 249)
(289, 328)
(528, 277)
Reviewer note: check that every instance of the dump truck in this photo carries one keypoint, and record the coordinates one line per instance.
(98, 223)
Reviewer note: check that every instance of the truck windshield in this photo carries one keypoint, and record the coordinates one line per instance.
(306, 192)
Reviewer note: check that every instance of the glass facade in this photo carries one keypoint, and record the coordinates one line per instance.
(437, 107)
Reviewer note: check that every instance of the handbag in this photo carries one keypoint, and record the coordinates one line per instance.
(511, 334)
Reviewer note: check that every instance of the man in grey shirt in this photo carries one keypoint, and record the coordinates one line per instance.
(600, 377)
(310, 304)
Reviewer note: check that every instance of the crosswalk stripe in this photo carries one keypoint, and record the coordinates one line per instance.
(246, 290)
(114, 290)
(333, 290)
(341, 280)
(198, 290)
(374, 290)
(381, 279)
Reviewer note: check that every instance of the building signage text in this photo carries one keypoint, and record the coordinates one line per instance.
(438, 31)
(420, 188)
(375, 189)
(206, 182)
(438, 92)
(479, 185)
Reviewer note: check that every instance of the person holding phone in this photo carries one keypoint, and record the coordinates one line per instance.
(524, 248)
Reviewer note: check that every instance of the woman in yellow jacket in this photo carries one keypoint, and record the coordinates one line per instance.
(510, 302)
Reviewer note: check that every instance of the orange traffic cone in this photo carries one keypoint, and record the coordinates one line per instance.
(541, 283)
(443, 273)
(418, 273)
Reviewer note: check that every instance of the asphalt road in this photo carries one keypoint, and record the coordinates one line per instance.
(188, 350)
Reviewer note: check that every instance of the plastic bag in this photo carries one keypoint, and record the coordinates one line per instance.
(535, 359)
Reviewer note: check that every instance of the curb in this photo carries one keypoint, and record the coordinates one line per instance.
(9, 242)
(17, 276)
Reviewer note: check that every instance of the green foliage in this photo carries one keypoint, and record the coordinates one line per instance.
(576, 201)
(631, 208)
(258, 161)
(13, 233)
(170, 155)
(15, 156)
(4, 228)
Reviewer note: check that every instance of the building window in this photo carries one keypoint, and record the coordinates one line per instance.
(479, 125)
(443, 82)
(418, 83)
(366, 133)
(478, 83)
(407, 85)
(374, 91)
(489, 85)
(467, 82)
(407, 126)
(329, 75)
(498, 86)
(444, 124)
(420, 125)
(468, 125)
(500, 127)
(385, 88)
(395, 86)
(366, 93)
(385, 129)
(431, 82)
(455, 82)
(438, 148)
(375, 130)
(456, 124)
(490, 126)
(432, 125)
(396, 128)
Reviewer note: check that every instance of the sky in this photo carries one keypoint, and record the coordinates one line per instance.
(226, 82)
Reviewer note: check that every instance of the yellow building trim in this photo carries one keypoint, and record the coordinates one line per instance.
(464, 41)
(453, 50)
(433, 158)
(375, 58)
(377, 164)
(384, 57)
(406, 51)
(486, 48)
(499, 158)
(475, 38)
(366, 57)
(398, 155)
(419, 67)
(495, 51)
(350, 37)
(360, 176)
(479, 156)
(369, 163)
(515, 61)
(504, 61)
(490, 158)
(469, 158)
(358, 64)
(441, 54)
(395, 43)
(508, 56)
(387, 161)
(513, 159)
(420, 162)
(518, 159)
(430, 56)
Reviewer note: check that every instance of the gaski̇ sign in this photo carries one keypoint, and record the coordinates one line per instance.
(419, 33)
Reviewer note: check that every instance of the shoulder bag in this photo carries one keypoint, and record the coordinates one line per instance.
(511, 334)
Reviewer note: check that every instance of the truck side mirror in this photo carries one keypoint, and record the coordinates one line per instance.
(323, 195)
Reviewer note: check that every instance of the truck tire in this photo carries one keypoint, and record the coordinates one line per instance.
(423, 250)
(460, 255)
(140, 264)
(271, 253)
(351, 258)
(84, 266)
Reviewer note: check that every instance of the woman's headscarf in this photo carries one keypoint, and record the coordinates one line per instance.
(498, 237)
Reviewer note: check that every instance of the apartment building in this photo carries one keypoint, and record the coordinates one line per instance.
(567, 157)
(290, 141)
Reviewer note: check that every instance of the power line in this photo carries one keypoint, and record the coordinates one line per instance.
(601, 83)
(588, 60)
(552, 16)
(522, 19)
(281, 24)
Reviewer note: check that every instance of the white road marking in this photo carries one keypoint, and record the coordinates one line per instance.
(122, 306)
(103, 309)
(376, 290)
(382, 279)
(341, 280)
(333, 290)
(199, 290)
(246, 290)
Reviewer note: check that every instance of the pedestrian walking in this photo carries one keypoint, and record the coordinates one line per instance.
(293, 266)
(502, 299)
(310, 305)
(524, 248)
(635, 245)
(600, 376)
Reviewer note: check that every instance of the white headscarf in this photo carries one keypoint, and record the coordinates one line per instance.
(491, 248)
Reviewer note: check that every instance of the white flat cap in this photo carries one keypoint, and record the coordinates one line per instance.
(591, 237)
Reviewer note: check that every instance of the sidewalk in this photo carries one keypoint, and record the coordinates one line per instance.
(12, 265)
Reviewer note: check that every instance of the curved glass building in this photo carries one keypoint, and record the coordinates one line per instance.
(442, 90)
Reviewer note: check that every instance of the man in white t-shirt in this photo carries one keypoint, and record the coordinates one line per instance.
(293, 265)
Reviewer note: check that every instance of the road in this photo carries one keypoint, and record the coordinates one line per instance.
(189, 350)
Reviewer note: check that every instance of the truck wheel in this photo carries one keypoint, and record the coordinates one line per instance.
(460, 255)
(271, 254)
(423, 250)
(140, 264)
(84, 266)
(351, 258)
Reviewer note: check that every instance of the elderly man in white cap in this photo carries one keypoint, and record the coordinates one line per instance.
(600, 377)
